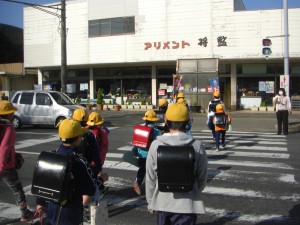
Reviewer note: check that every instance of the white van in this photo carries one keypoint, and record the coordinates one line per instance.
(42, 107)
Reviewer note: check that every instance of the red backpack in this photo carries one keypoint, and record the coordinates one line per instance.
(102, 140)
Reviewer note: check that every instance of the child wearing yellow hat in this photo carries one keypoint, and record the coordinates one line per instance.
(8, 171)
(220, 127)
(181, 207)
(85, 182)
(150, 118)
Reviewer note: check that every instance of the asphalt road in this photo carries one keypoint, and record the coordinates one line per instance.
(256, 180)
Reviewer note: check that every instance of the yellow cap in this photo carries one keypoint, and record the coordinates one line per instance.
(162, 102)
(80, 115)
(95, 119)
(216, 94)
(180, 95)
(150, 115)
(219, 107)
(70, 128)
(178, 113)
(6, 107)
(181, 101)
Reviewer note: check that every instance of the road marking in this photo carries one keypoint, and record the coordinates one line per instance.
(33, 142)
(249, 154)
(251, 148)
(252, 164)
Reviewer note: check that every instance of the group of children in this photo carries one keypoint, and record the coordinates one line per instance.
(82, 136)
(218, 121)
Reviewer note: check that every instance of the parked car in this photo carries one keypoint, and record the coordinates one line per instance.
(42, 107)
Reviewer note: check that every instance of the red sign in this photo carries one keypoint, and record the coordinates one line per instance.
(161, 92)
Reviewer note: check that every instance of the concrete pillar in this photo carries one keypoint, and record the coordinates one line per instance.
(233, 87)
(92, 84)
(154, 85)
(40, 77)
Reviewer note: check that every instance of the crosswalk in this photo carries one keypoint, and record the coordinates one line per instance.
(252, 173)
(249, 182)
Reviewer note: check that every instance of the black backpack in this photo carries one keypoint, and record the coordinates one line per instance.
(84, 148)
(212, 105)
(175, 168)
(53, 179)
(220, 119)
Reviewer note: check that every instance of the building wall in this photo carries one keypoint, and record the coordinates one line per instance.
(157, 22)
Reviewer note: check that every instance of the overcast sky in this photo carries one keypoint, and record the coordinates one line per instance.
(12, 13)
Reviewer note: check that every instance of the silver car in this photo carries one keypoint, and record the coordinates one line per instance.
(42, 107)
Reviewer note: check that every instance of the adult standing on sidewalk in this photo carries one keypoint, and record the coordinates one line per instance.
(283, 108)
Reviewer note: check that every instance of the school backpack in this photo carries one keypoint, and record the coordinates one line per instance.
(142, 136)
(52, 178)
(212, 105)
(175, 168)
(220, 119)
(84, 148)
(101, 135)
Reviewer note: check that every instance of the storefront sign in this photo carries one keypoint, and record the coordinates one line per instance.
(163, 86)
(221, 41)
(161, 92)
(166, 45)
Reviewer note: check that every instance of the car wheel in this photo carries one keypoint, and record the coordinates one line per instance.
(16, 122)
(58, 120)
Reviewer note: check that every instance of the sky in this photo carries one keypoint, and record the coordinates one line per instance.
(12, 13)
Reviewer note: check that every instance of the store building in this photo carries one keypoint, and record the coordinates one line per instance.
(133, 46)
(12, 74)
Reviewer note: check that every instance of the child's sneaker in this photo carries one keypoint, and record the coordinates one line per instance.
(223, 146)
(28, 215)
(136, 188)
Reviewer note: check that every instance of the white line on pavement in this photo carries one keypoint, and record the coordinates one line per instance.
(32, 142)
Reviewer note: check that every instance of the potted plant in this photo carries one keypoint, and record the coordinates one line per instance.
(88, 105)
(100, 100)
(117, 107)
(78, 100)
(263, 106)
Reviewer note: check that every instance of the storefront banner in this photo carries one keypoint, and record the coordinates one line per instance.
(214, 82)
(284, 83)
(270, 87)
(261, 86)
(176, 85)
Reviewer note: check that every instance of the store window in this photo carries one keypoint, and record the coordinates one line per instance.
(112, 26)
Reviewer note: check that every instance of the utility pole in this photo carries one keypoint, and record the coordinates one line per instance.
(63, 72)
(286, 44)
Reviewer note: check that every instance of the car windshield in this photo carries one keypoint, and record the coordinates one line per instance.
(62, 99)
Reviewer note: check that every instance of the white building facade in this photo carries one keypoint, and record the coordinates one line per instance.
(135, 44)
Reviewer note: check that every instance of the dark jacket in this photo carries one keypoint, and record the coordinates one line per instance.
(72, 212)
